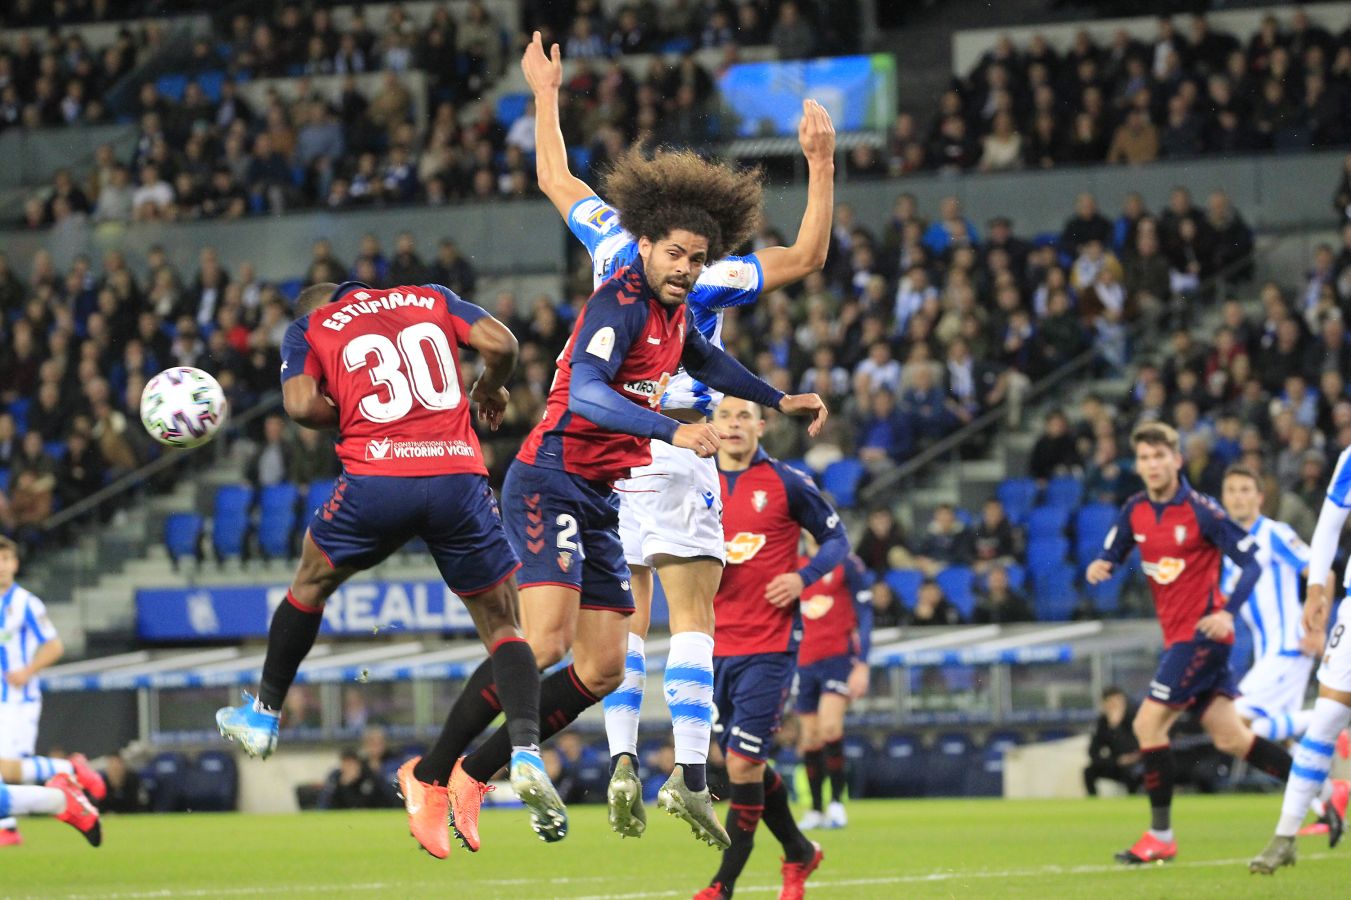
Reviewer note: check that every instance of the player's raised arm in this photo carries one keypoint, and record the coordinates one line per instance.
(785, 265)
(544, 74)
(301, 395)
(720, 371)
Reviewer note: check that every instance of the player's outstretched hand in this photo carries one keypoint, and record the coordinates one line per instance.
(1099, 570)
(492, 405)
(784, 589)
(700, 437)
(806, 405)
(815, 133)
(1217, 626)
(542, 73)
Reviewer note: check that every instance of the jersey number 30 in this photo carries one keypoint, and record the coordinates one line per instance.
(405, 371)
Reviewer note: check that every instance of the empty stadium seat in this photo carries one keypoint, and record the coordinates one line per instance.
(1055, 596)
(1064, 491)
(1106, 597)
(1018, 495)
(165, 782)
(1047, 521)
(277, 519)
(898, 771)
(183, 535)
(511, 107)
(840, 480)
(317, 495)
(230, 520)
(1044, 551)
(212, 783)
(904, 583)
(987, 778)
(945, 772)
(956, 582)
(1091, 525)
(1017, 576)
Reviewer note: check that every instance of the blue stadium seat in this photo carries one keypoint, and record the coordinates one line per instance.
(904, 583)
(230, 520)
(4, 480)
(1047, 521)
(898, 771)
(1017, 576)
(1106, 597)
(18, 408)
(1064, 491)
(212, 784)
(277, 519)
(840, 480)
(956, 582)
(1018, 495)
(1055, 595)
(1091, 524)
(172, 86)
(183, 535)
(945, 774)
(290, 288)
(1044, 551)
(987, 779)
(165, 782)
(511, 107)
(55, 449)
(210, 83)
(316, 497)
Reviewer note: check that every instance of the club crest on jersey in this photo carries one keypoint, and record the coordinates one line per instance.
(1180, 532)
(1166, 570)
(743, 547)
(565, 559)
(759, 500)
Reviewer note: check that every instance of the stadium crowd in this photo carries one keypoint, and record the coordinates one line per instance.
(1191, 90)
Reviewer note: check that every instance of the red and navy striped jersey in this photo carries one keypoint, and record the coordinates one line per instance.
(390, 361)
(836, 613)
(764, 509)
(636, 343)
(1181, 545)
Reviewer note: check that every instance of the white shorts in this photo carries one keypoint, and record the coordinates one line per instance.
(672, 506)
(19, 729)
(1335, 672)
(1274, 686)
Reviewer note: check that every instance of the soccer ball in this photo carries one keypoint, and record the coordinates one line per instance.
(183, 407)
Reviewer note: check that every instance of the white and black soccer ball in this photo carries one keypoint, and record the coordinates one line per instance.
(183, 407)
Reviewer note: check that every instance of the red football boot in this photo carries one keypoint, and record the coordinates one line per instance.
(428, 811)
(10, 837)
(79, 813)
(466, 797)
(91, 781)
(795, 875)
(1148, 849)
(713, 892)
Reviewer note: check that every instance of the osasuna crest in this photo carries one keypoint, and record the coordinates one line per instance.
(759, 500)
(1180, 532)
(564, 559)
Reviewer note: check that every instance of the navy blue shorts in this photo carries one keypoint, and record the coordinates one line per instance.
(370, 516)
(749, 693)
(1193, 673)
(825, 676)
(566, 531)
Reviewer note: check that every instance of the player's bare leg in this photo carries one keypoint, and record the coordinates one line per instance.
(811, 749)
(295, 625)
(624, 795)
(690, 585)
(1308, 779)
(759, 793)
(1152, 724)
(41, 769)
(60, 797)
(830, 714)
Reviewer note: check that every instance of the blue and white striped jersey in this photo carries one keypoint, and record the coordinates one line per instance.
(24, 627)
(733, 281)
(1273, 611)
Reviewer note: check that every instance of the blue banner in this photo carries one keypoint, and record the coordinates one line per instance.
(857, 91)
(360, 607)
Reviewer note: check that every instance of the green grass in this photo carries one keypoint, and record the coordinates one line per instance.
(941, 848)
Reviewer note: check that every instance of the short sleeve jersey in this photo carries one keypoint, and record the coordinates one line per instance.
(829, 619)
(389, 360)
(1273, 611)
(733, 281)
(24, 626)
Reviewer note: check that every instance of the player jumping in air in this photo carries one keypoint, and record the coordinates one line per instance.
(766, 506)
(28, 644)
(832, 670)
(1332, 709)
(383, 367)
(669, 511)
(1181, 534)
(559, 503)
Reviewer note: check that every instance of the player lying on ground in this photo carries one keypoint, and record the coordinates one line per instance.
(561, 510)
(766, 506)
(43, 786)
(382, 366)
(668, 511)
(1332, 709)
(832, 670)
(1181, 535)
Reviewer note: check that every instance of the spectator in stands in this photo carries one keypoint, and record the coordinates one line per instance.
(995, 541)
(998, 603)
(154, 199)
(946, 542)
(950, 230)
(80, 471)
(1002, 148)
(1054, 453)
(792, 35)
(932, 607)
(1135, 140)
(886, 434)
(1085, 225)
(270, 463)
(125, 792)
(353, 785)
(883, 545)
(1113, 752)
(1108, 477)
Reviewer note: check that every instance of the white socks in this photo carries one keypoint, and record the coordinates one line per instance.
(688, 686)
(25, 800)
(624, 702)
(1312, 759)
(1283, 727)
(37, 769)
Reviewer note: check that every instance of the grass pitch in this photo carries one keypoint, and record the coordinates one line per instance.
(916, 848)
